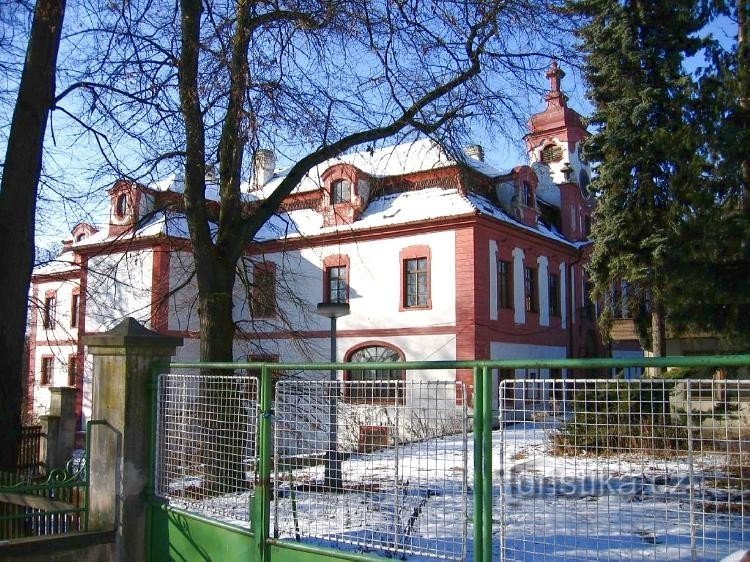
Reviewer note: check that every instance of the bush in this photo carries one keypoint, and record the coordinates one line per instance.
(615, 418)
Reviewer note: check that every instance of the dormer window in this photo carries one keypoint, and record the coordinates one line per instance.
(551, 153)
(527, 194)
(340, 192)
(121, 206)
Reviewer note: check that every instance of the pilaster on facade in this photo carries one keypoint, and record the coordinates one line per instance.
(543, 284)
(563, 295)
(494, 252)
(519, 304)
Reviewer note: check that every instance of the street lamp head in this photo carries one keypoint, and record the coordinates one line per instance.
(333, 309)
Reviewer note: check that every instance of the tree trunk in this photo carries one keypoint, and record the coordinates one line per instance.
(224, 404)
(18, 196)
(217, 325)
(658, 338)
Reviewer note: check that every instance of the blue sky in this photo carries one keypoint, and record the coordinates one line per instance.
(71, 158)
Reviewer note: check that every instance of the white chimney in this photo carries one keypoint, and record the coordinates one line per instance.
(475, 151)
(264, 165)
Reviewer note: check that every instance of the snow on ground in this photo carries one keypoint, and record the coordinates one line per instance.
(546, 507)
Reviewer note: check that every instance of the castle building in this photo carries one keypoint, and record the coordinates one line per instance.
(439, 256)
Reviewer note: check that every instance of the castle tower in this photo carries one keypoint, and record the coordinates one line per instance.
(555, 136)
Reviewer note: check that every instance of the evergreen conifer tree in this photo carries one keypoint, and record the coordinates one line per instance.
(714, 295)
(646, 147)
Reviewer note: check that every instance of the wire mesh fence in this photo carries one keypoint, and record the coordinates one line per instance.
(627, 470)
(378, 466)
(206, 453)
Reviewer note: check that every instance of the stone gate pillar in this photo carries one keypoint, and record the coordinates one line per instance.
(119, 458)
(59, 426)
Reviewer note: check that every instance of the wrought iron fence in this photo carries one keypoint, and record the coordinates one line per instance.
(56, 505)
(29, 451)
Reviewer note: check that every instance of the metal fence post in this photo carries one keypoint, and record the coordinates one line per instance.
(487, 463)
(691, 471)
(261, 520)
(501, 392)
(478, 428)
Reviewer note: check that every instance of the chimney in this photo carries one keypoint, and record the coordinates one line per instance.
(264, 165)
(475, 151)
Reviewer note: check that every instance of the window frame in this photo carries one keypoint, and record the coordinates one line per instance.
(75, 303)
(49, 310)
(553, 289)
(122, 203)
(415, 253)
(46, 370)
(504, 281)
(398, 397)
(73, 370)
(263, 302)
(341, 191)
(342, 280)
(530, 289)
(527, 194)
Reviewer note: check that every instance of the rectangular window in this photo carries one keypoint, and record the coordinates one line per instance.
(48, 314)
(554, 295)
(530, 289)
(45, 378)
(264, 292)
(72, 370)
(415, 283)
(74, 302)
(527, 194)
(337, 286)
(340, 191)
(504, 284)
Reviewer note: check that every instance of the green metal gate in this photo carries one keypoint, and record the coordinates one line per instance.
(179, 533)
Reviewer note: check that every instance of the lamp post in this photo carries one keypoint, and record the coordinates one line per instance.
(332, 478)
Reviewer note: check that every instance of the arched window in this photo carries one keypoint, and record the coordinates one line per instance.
(373, 385)
(551, 153)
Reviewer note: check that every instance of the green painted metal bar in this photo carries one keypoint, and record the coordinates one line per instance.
(152, 432)
(155, 503)
(478, 428)
(673, 361)
(316, 552)
(487, 463)
(261, 507)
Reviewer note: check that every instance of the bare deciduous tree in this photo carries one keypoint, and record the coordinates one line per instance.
(204, 86)
(18, 197)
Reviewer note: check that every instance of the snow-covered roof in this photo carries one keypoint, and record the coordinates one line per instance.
(63, 263)
(406, 158)
(381, 212)
(411, 207)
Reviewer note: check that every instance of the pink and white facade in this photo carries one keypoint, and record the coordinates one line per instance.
(439, 259)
